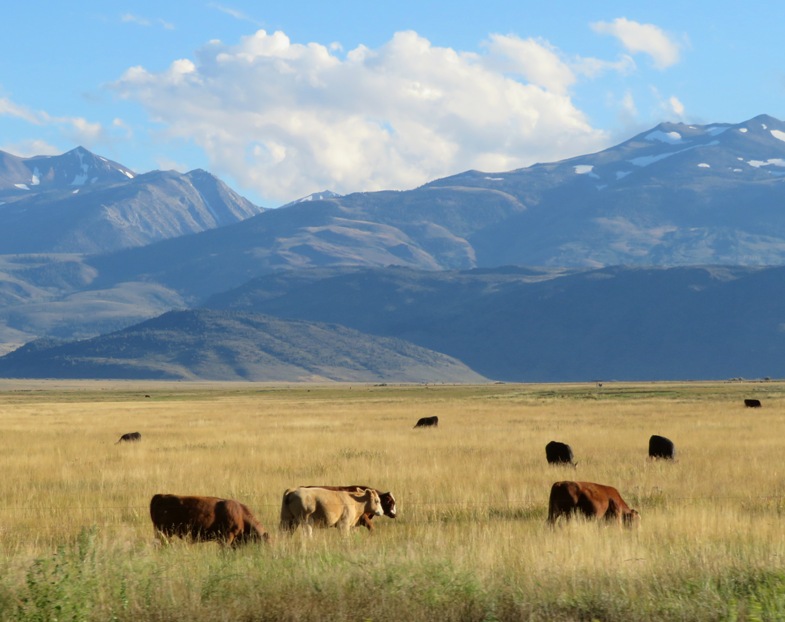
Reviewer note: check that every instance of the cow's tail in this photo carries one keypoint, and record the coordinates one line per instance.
(288, 522)
(552, 515)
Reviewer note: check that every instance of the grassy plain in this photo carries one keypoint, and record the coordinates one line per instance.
(470, 542)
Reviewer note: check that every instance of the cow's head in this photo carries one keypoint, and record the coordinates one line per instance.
(374, 504)
(631, 518)
(388, 503)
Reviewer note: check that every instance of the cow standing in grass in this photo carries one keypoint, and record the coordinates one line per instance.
(130, 437)
(592, 501)
(205, 518)
(559, 453)
(320, 507)
(365, 520)
(661, 447)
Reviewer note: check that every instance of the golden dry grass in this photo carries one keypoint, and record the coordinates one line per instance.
(472, 498)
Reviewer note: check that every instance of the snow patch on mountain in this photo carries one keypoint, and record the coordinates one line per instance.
(769, 162)
(779, 135)
(672, 138)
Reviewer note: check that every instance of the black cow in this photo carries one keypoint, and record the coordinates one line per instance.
(558, 453)
(752, 403)
(129, 437)
(661, 447)
(427, 422)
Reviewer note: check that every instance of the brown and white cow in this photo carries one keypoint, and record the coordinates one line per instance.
(592, 501)
(387, 499)
(205, 518)
(326, 508)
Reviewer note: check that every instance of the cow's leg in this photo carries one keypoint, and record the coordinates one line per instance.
(288, 525)
(366, 521)
(344, 525)
(613, 513)
(587, 507)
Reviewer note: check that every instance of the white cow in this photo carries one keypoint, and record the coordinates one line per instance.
(327, 508)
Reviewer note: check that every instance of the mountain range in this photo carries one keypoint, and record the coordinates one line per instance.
(82, 203)
(540, 325)
(87, 247)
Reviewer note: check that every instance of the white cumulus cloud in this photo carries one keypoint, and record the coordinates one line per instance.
(77, 129)
(642, 38)
(286, 119)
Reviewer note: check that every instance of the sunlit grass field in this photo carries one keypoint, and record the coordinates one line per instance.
(470, 541)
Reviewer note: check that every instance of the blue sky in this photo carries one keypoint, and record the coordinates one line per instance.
(287, 98)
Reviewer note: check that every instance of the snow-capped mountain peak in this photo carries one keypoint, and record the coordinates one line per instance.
(81, 202)
(73, 169)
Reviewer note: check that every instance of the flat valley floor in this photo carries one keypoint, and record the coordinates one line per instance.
(470, 541)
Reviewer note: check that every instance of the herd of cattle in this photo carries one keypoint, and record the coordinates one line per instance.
(344, 507)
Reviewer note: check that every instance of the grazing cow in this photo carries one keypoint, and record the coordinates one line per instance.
(661, 447)
(752, 403)
(427, 422)
(591, 500)
(326, 508)
(205, 518)
(387, 499)
(129, 437)
(558, 453)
